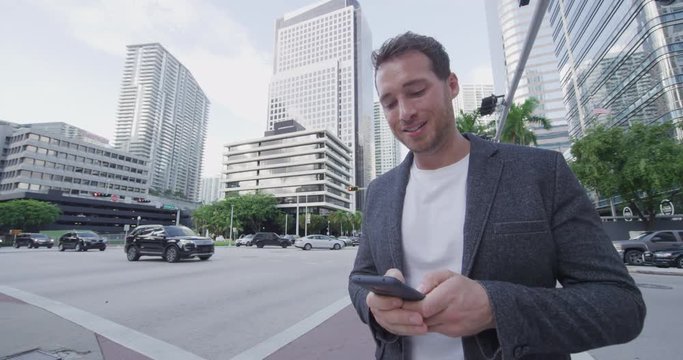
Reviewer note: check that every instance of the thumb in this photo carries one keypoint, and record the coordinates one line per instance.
(433, 279)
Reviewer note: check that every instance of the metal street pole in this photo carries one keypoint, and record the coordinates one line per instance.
(285, 223)
(232, 209)
(536, 22)
(138, 224)
(306, 219)
(297, 215)
(177, 217)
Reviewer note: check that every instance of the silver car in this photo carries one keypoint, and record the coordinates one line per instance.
(319, 242)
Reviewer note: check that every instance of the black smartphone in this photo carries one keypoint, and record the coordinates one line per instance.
(387, 286)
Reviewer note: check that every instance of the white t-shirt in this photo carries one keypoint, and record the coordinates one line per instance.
(432, 231)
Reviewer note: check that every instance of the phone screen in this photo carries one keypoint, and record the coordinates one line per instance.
(387, 286)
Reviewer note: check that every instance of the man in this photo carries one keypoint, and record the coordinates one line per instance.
(486, 231)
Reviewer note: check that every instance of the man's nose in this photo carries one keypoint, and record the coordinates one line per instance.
(406, 110)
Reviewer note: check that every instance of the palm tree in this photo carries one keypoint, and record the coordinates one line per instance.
(520, 117)
(469, 123)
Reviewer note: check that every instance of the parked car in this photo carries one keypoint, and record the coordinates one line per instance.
(632, 250)
(318, 242)
(355, 240)
(291, 238)
(665, 258)
(262, 239)
(347, 240)
(33, 240)
(171, 242)
(82, 241)
(244, 240)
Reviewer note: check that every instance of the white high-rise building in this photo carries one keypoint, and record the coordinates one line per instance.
(210, 189)
(540, 79)
(322, 77)
(162, 116)
(387, 147)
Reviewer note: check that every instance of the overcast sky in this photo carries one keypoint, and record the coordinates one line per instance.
(62, 60)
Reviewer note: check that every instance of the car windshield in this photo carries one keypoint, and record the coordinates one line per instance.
(87, 234)
(641, 236)
(178, 231)
(40, 236)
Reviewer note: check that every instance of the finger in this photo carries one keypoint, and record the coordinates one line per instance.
(396, 273)
(383, 302)
(433, 279)
(400, 322)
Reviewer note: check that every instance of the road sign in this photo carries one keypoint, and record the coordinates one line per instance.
(114, 198)
(628, 214)
(126, 227)
(666, 207)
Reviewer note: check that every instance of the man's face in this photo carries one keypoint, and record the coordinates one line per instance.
(416, 103)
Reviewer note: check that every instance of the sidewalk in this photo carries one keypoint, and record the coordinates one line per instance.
(63, 332)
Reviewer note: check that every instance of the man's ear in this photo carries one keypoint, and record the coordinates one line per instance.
(454, 85)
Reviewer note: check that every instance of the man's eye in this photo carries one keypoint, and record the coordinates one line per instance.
(390, 105)
(417, 93)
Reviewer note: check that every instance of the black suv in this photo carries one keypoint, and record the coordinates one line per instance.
(33, 240)
(82, 241)
(262, 239)
(171, 242)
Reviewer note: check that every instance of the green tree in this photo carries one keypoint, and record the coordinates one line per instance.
(642, 164)
(27, 214)
(251, 213)
(520, 118)
(340, 222)
(469, 123)
(318, 224)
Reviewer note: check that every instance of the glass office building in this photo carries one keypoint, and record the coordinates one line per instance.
(322, 76)
(619, 61)
(540, 79)
(387, 147)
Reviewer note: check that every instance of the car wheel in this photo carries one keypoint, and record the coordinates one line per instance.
(16, 245)
(307, 247)
(284, 246)
(61, 247)
(171, 255)
(679, 262)
(205, 257)
(103, 248)
(238, 244)
(259, 245)
(78, 247)
(30, 245)
(336, 247)
(634, 257)
(133, 254)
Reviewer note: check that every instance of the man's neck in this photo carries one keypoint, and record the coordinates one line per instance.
(449, 154)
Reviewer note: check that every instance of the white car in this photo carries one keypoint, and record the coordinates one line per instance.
(319, 242)
(244, 240)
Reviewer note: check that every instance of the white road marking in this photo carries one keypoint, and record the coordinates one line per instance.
(276, 342)
(134, 340)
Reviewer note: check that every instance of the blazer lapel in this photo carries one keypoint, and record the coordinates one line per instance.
(482, 183)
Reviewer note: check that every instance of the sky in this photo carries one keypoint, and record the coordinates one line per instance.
(63, 60)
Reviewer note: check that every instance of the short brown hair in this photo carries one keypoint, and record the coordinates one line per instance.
(410, 41)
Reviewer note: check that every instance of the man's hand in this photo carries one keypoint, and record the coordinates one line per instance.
(389, 314)
(454, 306)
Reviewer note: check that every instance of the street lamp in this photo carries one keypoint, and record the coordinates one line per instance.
(138, 224)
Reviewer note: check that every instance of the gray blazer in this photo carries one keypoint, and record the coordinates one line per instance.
(528, 225)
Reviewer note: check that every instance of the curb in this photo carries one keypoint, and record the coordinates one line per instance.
(655, 272)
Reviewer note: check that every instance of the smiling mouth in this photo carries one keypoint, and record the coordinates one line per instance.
(414, 129)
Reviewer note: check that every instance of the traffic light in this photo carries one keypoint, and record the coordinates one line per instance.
(488, 105)
(352, 188)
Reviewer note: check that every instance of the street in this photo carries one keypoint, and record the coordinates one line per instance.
(242, 297)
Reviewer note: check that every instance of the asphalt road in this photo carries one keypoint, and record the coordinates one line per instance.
(245, 296)
(216, 309)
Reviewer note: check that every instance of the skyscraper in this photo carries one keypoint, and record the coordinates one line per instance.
(540, 78)
(387, 147)
(619, 62)
(163, 115)
(322, 77)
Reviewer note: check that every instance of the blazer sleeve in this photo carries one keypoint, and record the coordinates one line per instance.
(598, 303)
(364, 264)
